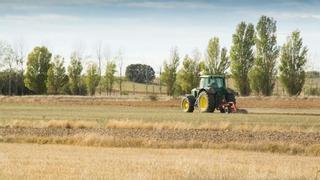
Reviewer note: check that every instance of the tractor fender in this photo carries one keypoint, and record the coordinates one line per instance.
(190, 95)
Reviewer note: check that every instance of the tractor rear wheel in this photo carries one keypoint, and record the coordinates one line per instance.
(206, 102)
(187, 103)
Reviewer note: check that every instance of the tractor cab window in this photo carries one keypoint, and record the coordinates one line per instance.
(220, 82)
(217, 82)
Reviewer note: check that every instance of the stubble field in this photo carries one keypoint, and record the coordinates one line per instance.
(29, 161)
(275, 132)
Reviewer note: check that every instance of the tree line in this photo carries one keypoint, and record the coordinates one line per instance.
(255, 61)
(45, 74)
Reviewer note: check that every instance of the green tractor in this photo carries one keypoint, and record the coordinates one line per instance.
(212, 94)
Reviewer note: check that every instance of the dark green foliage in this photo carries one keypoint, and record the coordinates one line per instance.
(263, 73)
(109, 77)
(217, 61)
(293, 61)
(37, 69)
(57, 77)
(74, 72)
(140, 73)
(92, 79)
(83, 91)
(16, 80)
(189, 76)
(242, 57)
(169, 74)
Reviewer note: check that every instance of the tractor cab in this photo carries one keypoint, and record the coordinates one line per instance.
(210, 83)
(215, 82)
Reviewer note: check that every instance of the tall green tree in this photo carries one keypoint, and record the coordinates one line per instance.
(140, 73)
(292, 64)
(263, 74)
(188, 77)
(242, 58)
(217, 60)
(37, 69)
(57, 77)
(74, 72)
(109, 77)
(169, 75)
(92, 79)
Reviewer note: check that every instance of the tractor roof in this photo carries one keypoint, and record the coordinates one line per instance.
(208, 76)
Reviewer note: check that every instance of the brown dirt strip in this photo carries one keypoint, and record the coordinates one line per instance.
(278, 102)
(198, 135)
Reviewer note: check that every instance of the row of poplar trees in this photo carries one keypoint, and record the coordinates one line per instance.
(255, 61)
(45, 75)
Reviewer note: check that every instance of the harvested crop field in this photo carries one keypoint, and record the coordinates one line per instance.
(291, 131)
(196, 135)
(29, 161)
(266, 141)
(258, 119)
(155, 140)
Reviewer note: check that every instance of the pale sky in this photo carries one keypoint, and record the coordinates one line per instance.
(146, 30)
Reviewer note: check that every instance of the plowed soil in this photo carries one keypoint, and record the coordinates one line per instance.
(198, 135)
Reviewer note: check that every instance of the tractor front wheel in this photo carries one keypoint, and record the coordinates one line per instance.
(187, 103)
(206, 102)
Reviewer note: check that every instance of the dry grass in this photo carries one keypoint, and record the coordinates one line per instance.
(69, 124)
(26, 161)
(129, 124)
(95, 139)
(74, 124)
(139, 124)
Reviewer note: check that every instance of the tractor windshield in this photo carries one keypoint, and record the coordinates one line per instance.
(217, 82)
